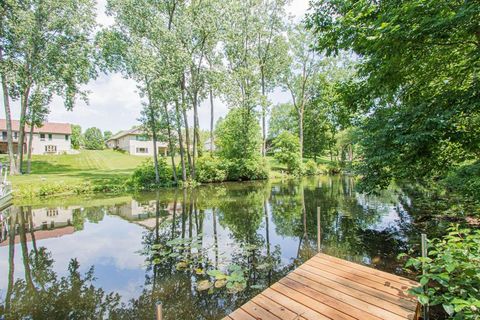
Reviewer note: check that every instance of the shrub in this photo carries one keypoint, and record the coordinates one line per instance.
(93, 139)
(287, 152)
(248, 169)
(465, 180)
(143, 178)
(451, 274)
(211, 169)
(311, 168)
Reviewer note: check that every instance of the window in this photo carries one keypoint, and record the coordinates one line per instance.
(52, 212)
(66, 137)
(141, 138)
(50, 137)
(50, 149)
(15, 135)
(4, 135)
(42, 136)
(142, 150)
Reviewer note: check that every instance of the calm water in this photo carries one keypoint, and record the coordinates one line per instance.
(200, 253)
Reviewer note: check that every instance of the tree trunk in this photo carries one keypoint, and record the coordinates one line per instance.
(300, 131)
(264, 111)
(30, 141)
(153, 129)
(8, 120)
(180, 142)
(155, 156)
(170, 145)
(21, 130)
(187, 130)
(196, 127)
(211, 121)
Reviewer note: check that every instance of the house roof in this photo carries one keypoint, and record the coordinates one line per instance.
(43, 234)
(48, 127)
(134, 131)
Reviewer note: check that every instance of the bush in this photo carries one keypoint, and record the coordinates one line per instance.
(465, 180)
(311, 168)
(211, 169)
(248, 169)
(93, 139)
(287, 152)
(143, 178)
(451, 274)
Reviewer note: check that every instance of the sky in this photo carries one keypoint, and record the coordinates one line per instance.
(114, 103)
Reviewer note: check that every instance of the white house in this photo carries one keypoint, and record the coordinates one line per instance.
(51, 138)
(135, 142)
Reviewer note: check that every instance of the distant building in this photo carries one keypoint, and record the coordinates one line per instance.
(51, 138)
(135, 142)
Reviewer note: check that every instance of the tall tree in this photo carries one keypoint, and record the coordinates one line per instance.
(419, 86)
(301, 74)
(271, 51)
(47, 43)
(37, 115)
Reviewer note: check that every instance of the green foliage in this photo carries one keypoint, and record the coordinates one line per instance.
(282, 118)
(248, 169)
(287, 151)
(465, 181)
(451, 273)
(76, 138)
(93, 139)
(143, 178)
(107, 135)
(311, 168)
(238, 135)
(419, 86)
(211, 169)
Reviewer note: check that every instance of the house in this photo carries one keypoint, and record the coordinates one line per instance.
(51, 138)
(135, 142)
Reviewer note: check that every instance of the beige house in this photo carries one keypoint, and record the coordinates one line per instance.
(51, 138)
(135, 142)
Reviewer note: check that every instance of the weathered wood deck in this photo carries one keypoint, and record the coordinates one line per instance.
(330, 288)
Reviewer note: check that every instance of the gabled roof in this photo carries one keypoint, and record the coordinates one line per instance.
(48, 127)
(133, 131)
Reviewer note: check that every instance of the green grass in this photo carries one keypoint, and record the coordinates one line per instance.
(90, 166)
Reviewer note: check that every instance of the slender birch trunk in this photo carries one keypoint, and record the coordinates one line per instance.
(21, 130)
(180, 142)
(30, 142)
(170, 144)
(8, 120)
(211, 120)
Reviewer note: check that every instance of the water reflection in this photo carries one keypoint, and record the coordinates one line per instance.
(200, 253)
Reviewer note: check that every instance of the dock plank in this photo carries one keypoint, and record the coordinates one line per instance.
(326, 287)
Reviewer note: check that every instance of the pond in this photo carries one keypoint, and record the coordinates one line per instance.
(201, 253)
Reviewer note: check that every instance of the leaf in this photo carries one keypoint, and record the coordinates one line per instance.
(217, 274)
(448, 309)
(423, 299)
(220, 283)
(204, 285)
(182, 265)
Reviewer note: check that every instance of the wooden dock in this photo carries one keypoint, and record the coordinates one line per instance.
(330, 288)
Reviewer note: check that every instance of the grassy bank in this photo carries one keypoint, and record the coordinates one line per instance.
(70, 174)
(90, 171)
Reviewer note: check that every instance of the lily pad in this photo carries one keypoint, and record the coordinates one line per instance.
(220, 283)
(204, 285)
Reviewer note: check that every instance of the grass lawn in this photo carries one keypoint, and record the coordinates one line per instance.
(62, 175)
(87, 166)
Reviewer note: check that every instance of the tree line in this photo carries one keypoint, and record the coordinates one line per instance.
(179, 53)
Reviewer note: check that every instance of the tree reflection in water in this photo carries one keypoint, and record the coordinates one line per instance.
(42, 294)
(210, 249)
